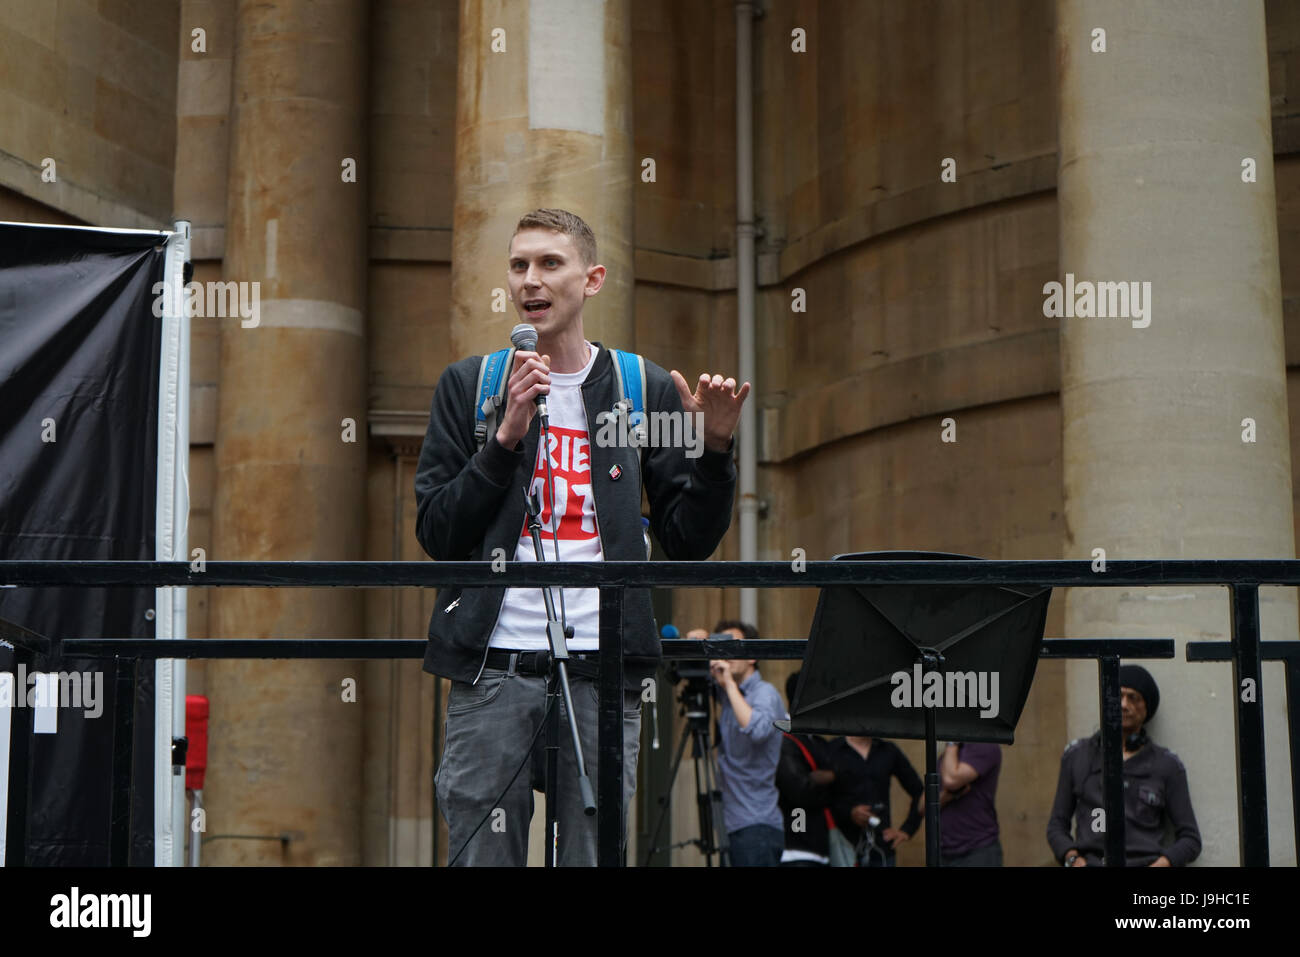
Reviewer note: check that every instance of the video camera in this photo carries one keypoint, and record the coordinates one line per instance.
(692, 674)
(695, 679)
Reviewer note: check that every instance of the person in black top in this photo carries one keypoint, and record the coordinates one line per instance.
(803, 784)
(860, 796)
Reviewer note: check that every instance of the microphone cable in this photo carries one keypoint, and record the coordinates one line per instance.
(555, 522)
(528, 753)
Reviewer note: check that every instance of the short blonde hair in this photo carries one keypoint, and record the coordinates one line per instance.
(562, 221)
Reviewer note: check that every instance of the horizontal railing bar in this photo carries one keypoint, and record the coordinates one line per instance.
(244, 647)
(308, 574)
(1222, 650)
(376, 648)
(1096, 647)
(794, 648)
(762, 648)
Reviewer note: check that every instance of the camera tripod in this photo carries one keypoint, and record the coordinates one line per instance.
(708, 798)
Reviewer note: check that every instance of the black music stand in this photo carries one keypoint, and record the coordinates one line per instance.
(867, 668)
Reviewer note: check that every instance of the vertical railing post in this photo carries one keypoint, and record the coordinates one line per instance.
(1248, 715)
(1292, 663)
(933, 847)
(119, 846)
(1112, 760)
(20, 743)
(610, 832)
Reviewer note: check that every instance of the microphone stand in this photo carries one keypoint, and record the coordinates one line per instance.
(557, 684)
(931, 660)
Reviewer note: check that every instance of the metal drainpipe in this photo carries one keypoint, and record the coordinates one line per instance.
(747, 440)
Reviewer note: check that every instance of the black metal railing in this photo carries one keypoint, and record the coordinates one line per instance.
(1242, 577)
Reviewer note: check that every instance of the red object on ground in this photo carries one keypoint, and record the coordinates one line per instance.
(196, 730)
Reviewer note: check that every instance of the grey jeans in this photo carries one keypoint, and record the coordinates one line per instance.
(489, 724)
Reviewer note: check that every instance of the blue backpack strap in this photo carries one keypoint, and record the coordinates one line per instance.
(629, 372)
(493, 377)
(629, 369)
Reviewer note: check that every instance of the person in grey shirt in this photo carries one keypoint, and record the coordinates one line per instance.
(749, 749)
(1156, 796)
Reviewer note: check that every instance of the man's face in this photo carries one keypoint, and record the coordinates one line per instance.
(545, 268)
(740, 667)
(1133, 708)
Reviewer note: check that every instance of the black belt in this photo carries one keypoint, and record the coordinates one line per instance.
(581, 663)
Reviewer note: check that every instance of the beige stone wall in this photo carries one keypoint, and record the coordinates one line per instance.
(684, 68)
(203, 81)
(855, 129)
(93, 87)
(15, 207)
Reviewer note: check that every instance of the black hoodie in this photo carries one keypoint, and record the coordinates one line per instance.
(470, 502)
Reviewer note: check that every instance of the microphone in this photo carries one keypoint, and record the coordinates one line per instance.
(524, 338)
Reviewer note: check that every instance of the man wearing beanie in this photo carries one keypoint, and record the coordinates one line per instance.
(1155, 791)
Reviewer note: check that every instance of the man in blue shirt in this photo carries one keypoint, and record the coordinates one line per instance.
(749, 749)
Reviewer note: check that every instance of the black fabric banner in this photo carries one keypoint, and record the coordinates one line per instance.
(79, 360)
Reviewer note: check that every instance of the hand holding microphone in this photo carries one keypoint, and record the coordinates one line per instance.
(527, 388)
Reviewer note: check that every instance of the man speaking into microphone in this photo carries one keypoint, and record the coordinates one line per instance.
(492, 641)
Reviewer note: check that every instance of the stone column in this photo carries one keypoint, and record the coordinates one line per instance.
(543, 118)
(285, 745)
(1154, 132)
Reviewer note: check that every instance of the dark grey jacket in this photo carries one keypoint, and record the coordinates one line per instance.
(471, 502)
(1155, 798)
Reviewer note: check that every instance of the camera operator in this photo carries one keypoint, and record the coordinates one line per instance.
(749, 747)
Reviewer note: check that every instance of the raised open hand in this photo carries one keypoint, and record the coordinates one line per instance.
(719, 400)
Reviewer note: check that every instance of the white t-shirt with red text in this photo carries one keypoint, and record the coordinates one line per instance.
(522, 622)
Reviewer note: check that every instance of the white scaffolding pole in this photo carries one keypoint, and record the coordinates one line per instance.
(172, 544)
